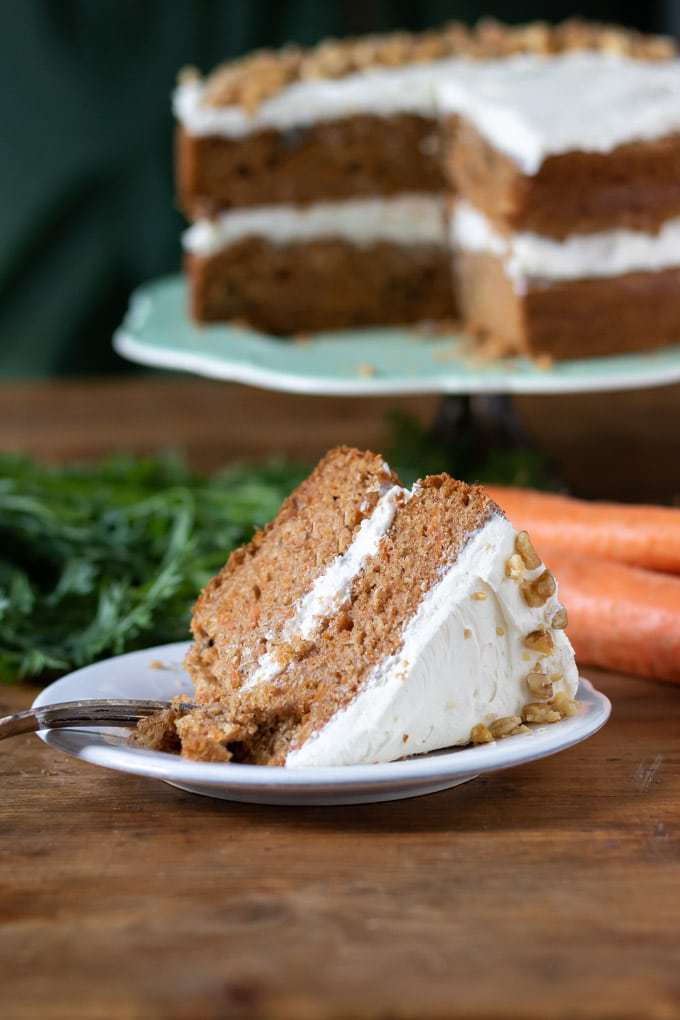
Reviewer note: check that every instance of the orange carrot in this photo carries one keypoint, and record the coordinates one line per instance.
(640, 535)
(620, 617)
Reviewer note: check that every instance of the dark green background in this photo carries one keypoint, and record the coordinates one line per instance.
(85, 174)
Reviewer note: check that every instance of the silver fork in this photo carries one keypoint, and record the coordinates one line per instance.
(95, 712)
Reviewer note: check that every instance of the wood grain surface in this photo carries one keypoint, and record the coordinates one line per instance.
(549, 891)
(613, 445)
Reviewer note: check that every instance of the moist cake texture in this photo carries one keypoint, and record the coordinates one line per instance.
(304, 137)
(369, 622)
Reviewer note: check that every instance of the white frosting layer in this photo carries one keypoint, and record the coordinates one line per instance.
(441, 683)
(533, 107)
(334, 585)
(528, 256)
(406, 219)
(380, 92)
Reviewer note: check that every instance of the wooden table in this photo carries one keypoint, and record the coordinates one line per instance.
(614, 445)
(550, 891)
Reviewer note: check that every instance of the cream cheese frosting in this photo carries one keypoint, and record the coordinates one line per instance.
(533, 107)
(462, 662)
(379, 92)
(527, 256)
(403, 219)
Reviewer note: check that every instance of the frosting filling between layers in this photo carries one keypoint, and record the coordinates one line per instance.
(462, 662)
(334, 585)
(405, 219)
(527, 256)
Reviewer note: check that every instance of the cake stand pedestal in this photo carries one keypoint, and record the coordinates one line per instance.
(476, 408)
(488, 420)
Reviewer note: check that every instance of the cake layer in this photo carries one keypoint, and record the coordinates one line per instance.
(321, 284)
(362, 155)
(635, 186)
(249, 603)
(529, 257)
(569, 318)
(436, 625)
(575, 143)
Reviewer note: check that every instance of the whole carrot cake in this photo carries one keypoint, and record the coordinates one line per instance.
(368, 622)
(320, 181)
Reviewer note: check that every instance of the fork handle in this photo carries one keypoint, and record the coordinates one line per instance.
(95, 712)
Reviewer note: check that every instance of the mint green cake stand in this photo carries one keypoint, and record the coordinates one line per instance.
(157, 331)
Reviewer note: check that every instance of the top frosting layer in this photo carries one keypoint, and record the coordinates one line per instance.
(531, 108)
(380, 92)
(250, 80)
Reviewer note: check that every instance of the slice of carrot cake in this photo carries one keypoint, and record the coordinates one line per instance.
(368, 622)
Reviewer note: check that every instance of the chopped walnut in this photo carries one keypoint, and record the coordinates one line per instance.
(525, 549)
(330, 59)
(396, 50)
(504, 726)
(540, 685)
(655, 47)
(615, 42)
(188, 74)
(514, 567)
(563, 704)
(540, 712)
(560, 620)
(481, 734)
(428, 46)
(537, 592)
(533, 38)
(539, 641)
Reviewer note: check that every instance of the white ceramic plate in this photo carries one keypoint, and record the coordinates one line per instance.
(157, 331)
(157, 673)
